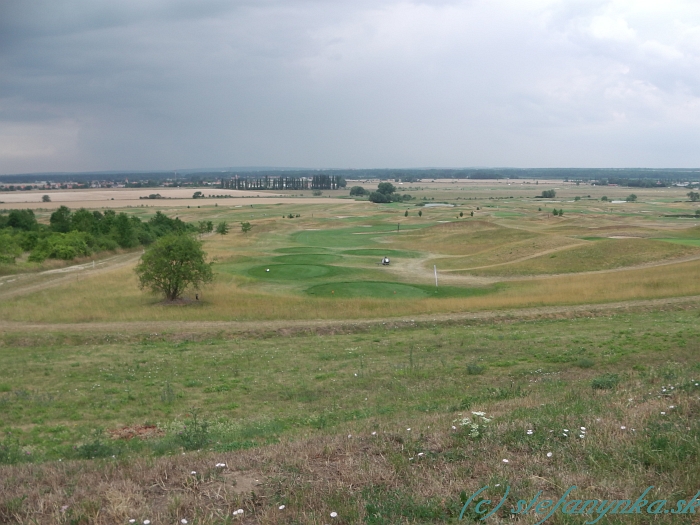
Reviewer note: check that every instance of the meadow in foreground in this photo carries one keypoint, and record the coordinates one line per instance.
(385, 425)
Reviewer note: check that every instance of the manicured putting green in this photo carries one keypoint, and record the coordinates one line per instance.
(291, 272)
(381, 253)
(302, 249)
(686, 242)
(307, 258)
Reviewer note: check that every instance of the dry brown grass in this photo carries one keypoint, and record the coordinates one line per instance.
(506, 253)
(115, 297)
(318, 475)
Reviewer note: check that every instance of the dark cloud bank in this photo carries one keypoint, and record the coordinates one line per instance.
(138, 85)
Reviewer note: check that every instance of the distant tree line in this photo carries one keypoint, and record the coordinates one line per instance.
(315, 182)
(80, 233)
(287, 177)
(633, 183)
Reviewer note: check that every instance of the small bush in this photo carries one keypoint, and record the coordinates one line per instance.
(96, 448)
(10, 451)
(605, 382)
(167, 395)
(195, 434)
(584, 362)
(474, 369)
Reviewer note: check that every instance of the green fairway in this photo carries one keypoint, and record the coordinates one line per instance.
(309, 258)
(293, 272)
(355, 237)
(301, 249)
(686, 242)
(378, 252)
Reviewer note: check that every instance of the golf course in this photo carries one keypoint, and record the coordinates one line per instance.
(503, 345)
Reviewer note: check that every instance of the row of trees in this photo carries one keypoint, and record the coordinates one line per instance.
(386, 192)
(80, 233)
(316, 182)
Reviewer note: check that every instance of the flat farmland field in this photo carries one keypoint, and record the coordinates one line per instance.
(130, 198)
(503, 345)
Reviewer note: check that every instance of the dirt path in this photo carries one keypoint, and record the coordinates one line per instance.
(414, 270)
(26, 283)
(288, 327)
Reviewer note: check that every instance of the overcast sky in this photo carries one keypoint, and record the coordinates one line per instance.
(165, 84)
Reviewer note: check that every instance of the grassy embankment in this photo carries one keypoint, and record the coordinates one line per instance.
(312, 402)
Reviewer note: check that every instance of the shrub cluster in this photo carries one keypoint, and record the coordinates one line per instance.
(78, 234)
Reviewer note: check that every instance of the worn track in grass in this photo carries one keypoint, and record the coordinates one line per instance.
(26, 283)
(202, 329)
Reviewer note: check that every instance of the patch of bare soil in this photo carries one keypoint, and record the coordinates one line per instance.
(136, 431)
(180, 301)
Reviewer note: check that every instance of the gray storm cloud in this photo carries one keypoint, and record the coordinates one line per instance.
(92, 85)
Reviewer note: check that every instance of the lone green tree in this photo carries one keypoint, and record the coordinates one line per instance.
(694, 196)
(222, 228)
(245, 227)
(172, 264)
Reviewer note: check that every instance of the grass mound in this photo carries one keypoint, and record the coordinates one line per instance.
(605, 254)
(372, 289)
(389, 290)
(462, 238)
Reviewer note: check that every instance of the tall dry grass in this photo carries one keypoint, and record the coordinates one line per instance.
(115, 297)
